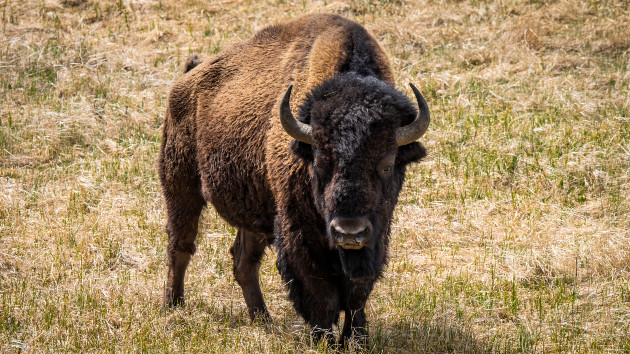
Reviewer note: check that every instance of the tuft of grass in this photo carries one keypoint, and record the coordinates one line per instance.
(513, 235)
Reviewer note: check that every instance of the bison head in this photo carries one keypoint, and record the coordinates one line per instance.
(357, 134)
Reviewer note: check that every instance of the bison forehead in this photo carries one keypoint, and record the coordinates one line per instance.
(353, 115)
(351, 133)
(355, 131)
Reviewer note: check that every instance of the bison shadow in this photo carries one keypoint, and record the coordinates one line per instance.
(424, 336)
(408, 335)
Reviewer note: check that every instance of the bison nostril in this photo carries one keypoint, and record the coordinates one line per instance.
(355, 230)
(343, 237)
(350, 232)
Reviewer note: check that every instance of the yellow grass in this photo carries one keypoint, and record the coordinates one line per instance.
(513, 235)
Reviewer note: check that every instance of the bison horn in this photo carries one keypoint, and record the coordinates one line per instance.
(296, 129)
(414, 130)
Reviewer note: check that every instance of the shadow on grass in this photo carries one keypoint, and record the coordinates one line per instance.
(401, 336)
(423, 336)
(207, 312)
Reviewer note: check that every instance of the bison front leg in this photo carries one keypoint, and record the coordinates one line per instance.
(247, 252)
(355, 324)
(322, 322)
(319, 305)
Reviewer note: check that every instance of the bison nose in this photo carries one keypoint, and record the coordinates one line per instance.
(350, 233)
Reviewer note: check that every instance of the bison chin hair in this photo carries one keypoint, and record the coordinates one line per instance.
(365, 264)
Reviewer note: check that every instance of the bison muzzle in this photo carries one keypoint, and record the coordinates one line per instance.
(298, 138)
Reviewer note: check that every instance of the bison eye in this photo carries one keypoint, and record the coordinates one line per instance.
(319, 165)
(385, 166)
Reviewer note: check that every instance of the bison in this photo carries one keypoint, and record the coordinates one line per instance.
(298, 138)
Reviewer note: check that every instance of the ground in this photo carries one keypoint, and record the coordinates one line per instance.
(513, 235)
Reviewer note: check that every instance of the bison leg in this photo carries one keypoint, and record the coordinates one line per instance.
(247, 252)
(321, 309)
(354, 324)
(183, 219)
(322, 322)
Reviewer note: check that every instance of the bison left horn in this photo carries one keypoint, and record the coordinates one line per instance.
(414, 130)
(296, 129)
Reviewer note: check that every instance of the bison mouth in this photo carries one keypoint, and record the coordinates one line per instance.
(360, 264)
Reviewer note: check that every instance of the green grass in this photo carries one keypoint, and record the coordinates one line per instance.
(512, 236)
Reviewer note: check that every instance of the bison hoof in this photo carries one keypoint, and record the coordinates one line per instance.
(173, 300)
(323, 335)
(261, 316)
(354, 342)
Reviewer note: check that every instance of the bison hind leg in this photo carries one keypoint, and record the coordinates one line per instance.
(247, 252)
(183, 220)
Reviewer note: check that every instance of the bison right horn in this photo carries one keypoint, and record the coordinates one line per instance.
(296, 129)
(414, 130)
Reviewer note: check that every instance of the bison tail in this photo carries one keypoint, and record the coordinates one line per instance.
(191, 63)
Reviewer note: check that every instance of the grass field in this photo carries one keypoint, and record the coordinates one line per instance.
(512, 236)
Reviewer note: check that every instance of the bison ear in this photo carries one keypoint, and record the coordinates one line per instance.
(409, 153)
(301, 150)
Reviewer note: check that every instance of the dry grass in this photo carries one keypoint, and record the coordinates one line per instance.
(512, 236)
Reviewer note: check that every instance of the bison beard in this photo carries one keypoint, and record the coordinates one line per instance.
(321, 185)
(359, 265)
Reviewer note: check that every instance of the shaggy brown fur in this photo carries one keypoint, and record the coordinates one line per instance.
(191, 63)
(223, 143)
